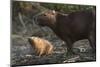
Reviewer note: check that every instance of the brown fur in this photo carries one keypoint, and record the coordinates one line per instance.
(42, 46)
(71, 27)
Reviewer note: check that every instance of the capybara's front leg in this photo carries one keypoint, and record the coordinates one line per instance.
(69, 45)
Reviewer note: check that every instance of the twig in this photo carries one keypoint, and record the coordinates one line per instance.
(22, 22)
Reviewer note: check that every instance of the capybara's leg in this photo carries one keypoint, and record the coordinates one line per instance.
(37, 51)
(69, 44)
(92, 40)
(50, 50)
(41, 51)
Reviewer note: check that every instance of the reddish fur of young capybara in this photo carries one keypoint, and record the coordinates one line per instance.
(42, 46)
(71, 27)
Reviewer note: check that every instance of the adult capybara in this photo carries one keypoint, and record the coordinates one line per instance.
(71, 27)
(42, 46)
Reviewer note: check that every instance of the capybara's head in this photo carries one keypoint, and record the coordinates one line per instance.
(47, 19)
(31, 40)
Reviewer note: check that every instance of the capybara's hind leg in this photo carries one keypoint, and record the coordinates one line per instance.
(92, 40)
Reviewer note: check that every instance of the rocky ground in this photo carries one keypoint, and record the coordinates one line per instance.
(22, 52)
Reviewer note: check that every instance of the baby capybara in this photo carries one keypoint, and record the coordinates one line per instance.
(71, 27)
(42, 46)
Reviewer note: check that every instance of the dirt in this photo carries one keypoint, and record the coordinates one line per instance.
(22, 52)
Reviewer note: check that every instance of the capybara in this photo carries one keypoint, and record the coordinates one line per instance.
(71, 27)
(42, 46)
